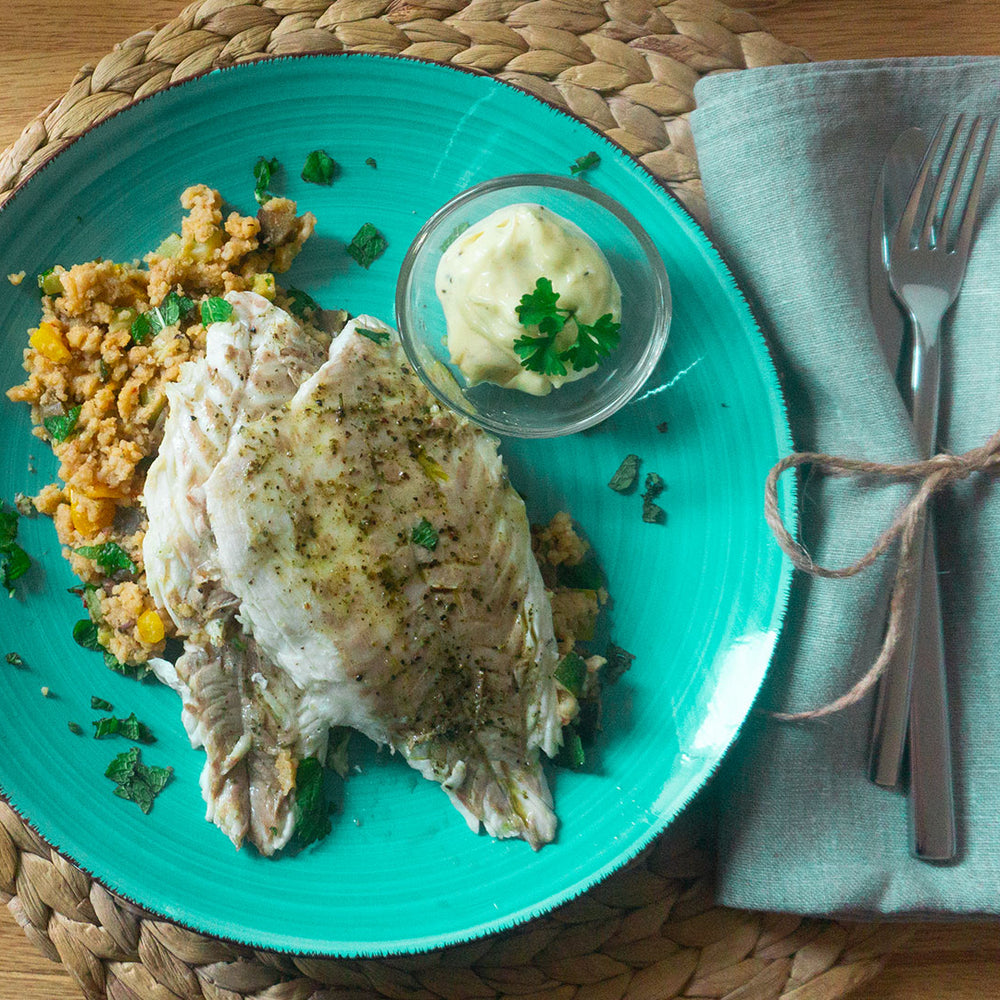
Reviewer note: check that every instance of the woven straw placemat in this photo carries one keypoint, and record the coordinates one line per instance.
(651, 931)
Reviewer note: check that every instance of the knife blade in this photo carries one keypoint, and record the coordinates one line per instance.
(892, 707)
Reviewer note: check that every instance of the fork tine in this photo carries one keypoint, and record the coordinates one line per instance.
(904, 231)
(964, 240)
(942, 176)
(956, 187)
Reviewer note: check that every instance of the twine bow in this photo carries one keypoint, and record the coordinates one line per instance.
(934, 474)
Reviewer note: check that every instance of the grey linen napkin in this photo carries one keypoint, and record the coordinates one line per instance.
(790, 157)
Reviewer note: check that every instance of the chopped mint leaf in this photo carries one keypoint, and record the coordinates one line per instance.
(85, 634)
(312, 810)
(627, 475)
(653, 513)
(61, 427)
(135, 782)
(110, 556)
(215, 310)
(584, 163)
(131, 728)
(370, 162)
(571, 672)
(100, 704)
(320, 168)
(300, 303)
(367, 245)
(75, 728)
(263, 170)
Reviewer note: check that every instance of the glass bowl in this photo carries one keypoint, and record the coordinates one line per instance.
(575, 405)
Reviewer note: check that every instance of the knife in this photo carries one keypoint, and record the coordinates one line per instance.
(907, 695)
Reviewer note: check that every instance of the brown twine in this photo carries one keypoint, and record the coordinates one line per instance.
(934, 474)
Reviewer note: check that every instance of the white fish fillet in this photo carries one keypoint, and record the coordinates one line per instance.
(235, 705)
(295, 522)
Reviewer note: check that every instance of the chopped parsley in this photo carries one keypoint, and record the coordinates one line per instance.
(320, 168)
(367, 245)
(110, 556)
(628, 473)
(653, 513)
(14, 659)
(539, 308)
(14, 561)
(584, 163)
(370, 162)
(381, 337)
(75, 728)
(100, 704)
(424, 534)
(135, 781)
(215, 310)
(131, 728)
(61, 427)
(312, 810)
(263, 171)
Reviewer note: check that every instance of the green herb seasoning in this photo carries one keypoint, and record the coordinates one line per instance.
(61, 427)
(263, 172)
(572, 673)
(300, 303)
(110, 556)
(14, 659)
(135, 781)
(367, 245)
(652, 512)
(424, 534)
(320, 168)
(14, 561)
(85, 635)
(381, 337)
(312, 810)
(584, 163)
(100, 704)
(370, 162)
(625, 478)
(131, 728)
(618, 662)
(75, 728)
(215, 310)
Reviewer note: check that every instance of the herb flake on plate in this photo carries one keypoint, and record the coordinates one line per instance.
(367, 245)
(312, 810)
(424, 534)
(319, 168)
(626, 476)
(110, 556)
(263, 172)
(136, 782)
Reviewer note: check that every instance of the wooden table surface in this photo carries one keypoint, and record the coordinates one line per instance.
(43, 44)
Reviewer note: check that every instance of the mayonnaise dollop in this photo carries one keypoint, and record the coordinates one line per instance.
(484, 273)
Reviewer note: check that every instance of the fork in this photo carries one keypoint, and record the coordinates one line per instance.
(925, 274)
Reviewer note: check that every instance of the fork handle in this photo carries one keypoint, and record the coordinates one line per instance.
(932, 797)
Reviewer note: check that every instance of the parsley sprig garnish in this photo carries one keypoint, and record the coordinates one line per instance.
(539, 308)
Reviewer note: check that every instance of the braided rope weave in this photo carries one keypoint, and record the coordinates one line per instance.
(649, 932)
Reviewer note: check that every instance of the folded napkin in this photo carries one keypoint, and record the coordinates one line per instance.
(790, 156)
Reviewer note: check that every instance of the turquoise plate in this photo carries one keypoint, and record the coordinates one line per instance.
(699, 600)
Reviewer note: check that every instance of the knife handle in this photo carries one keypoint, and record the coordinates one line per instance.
(892, 708)
(932, 796)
